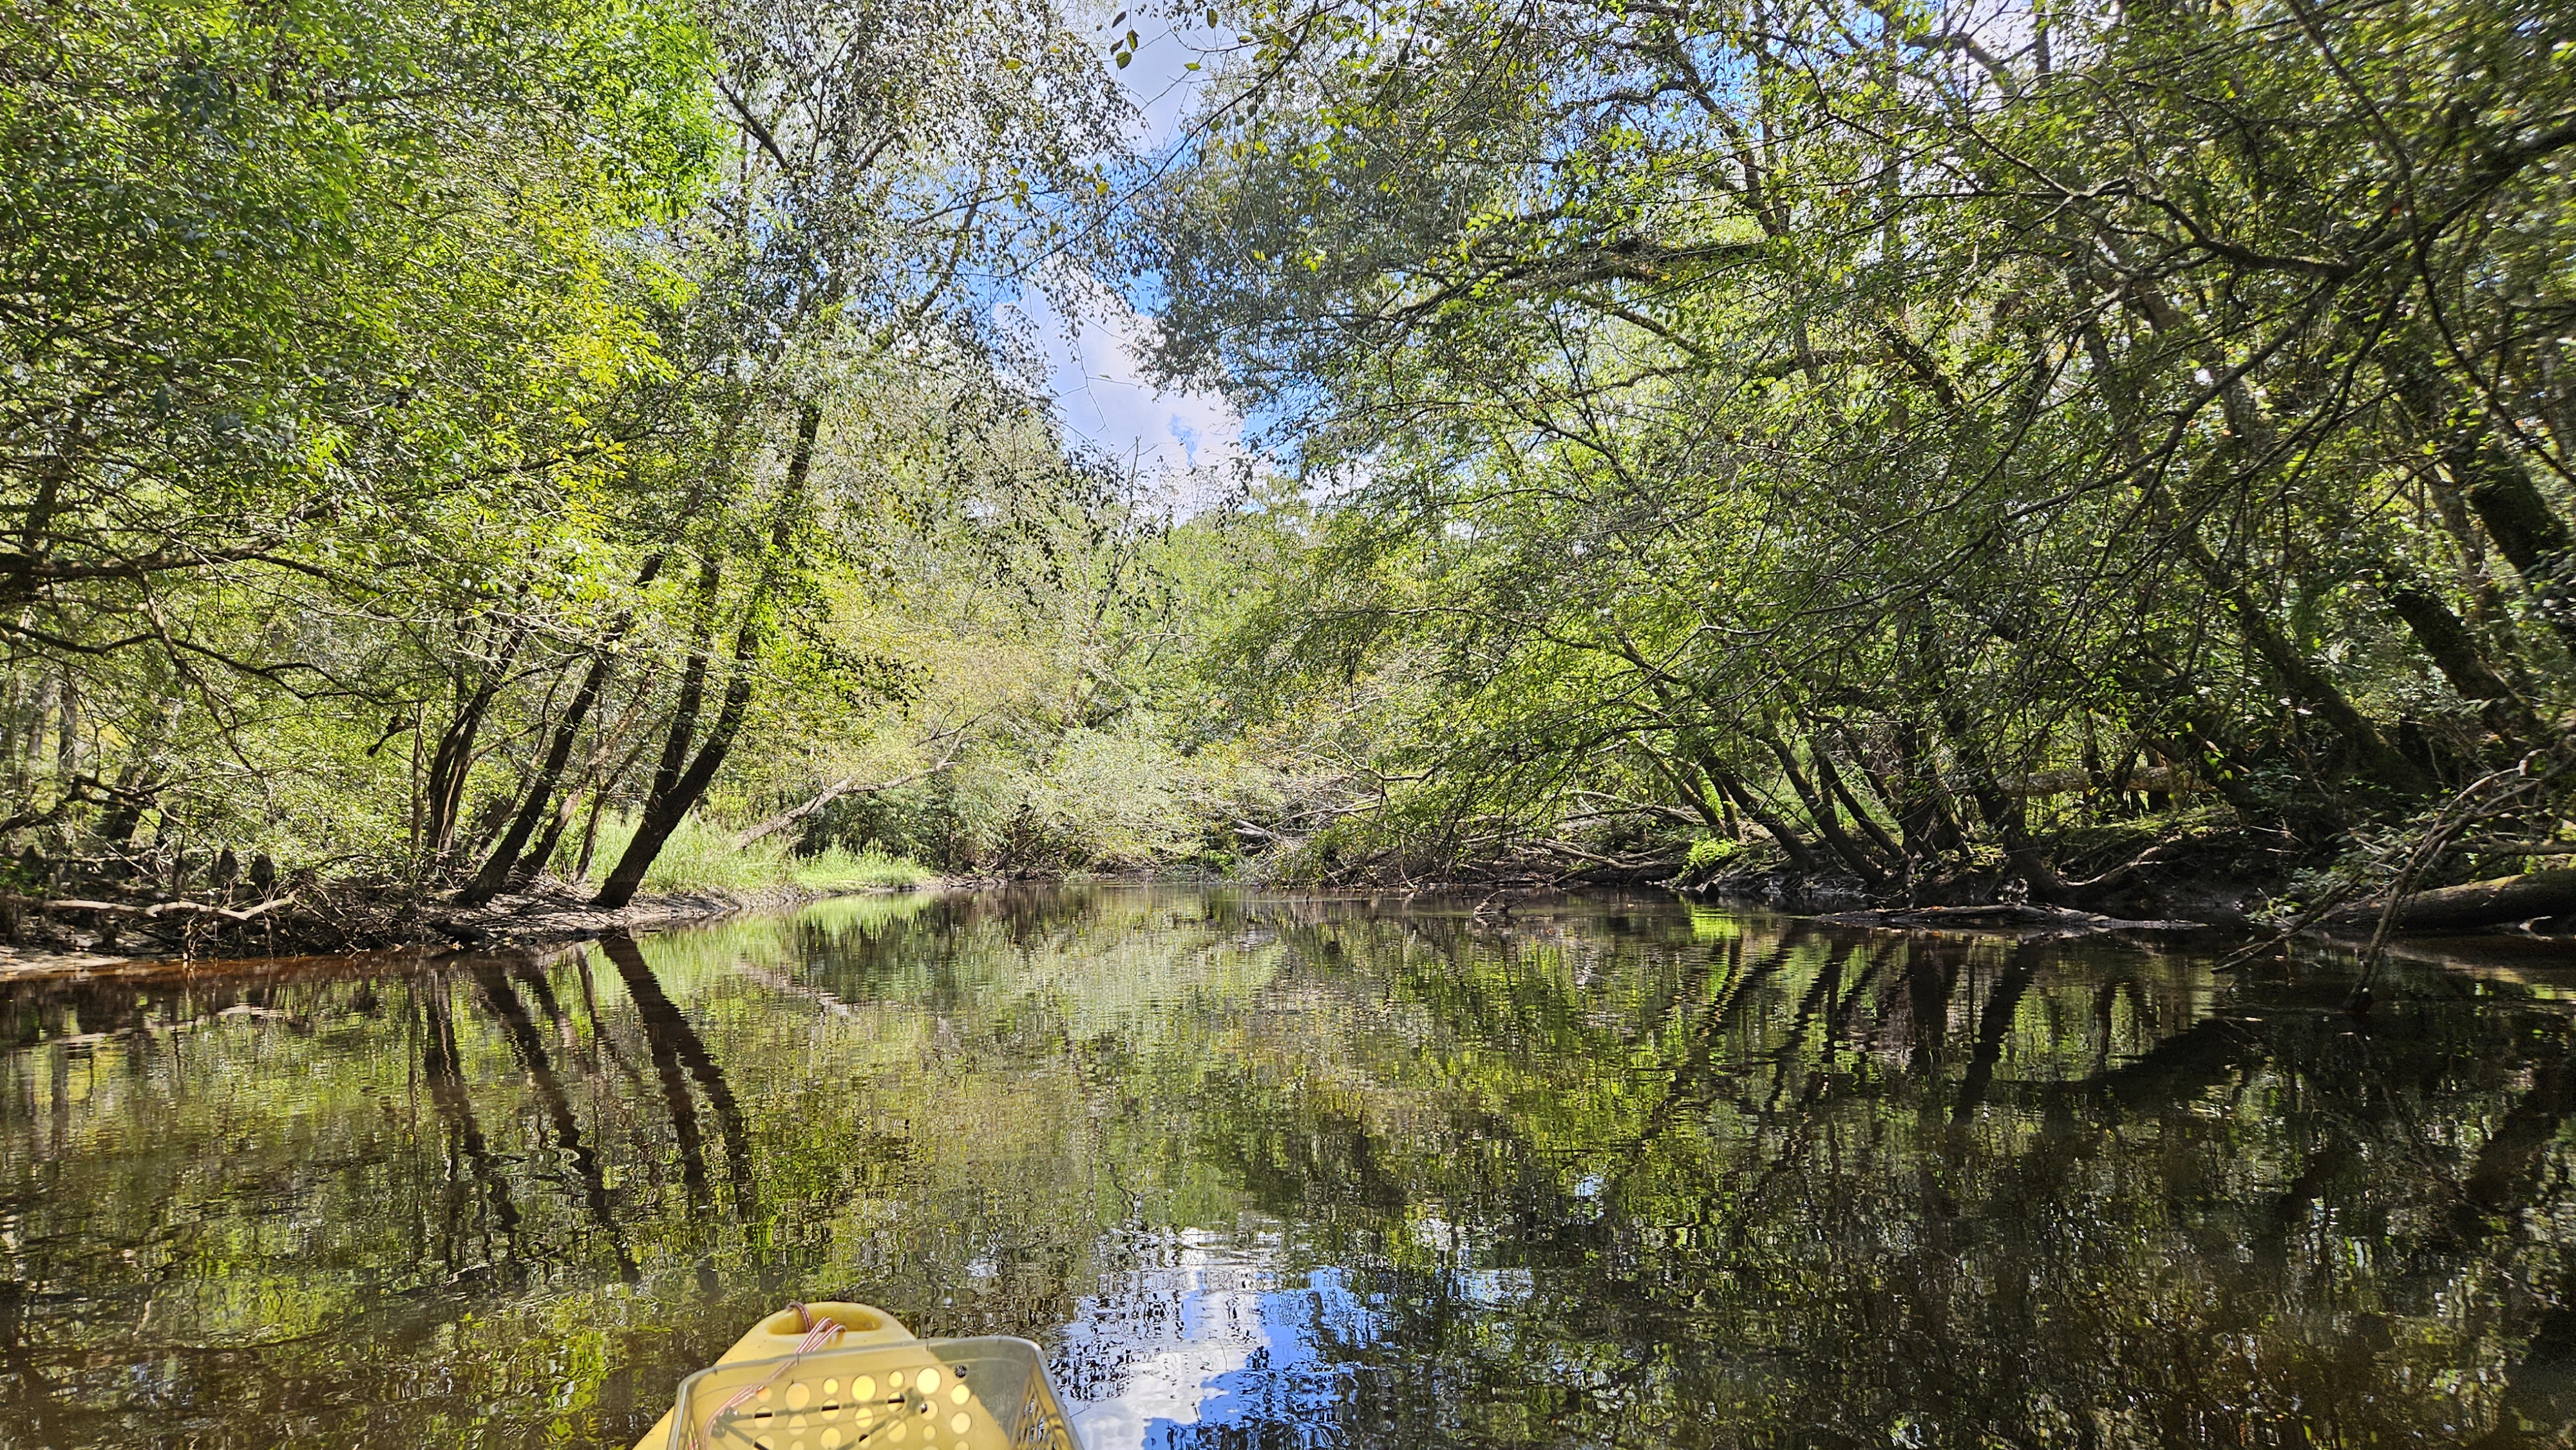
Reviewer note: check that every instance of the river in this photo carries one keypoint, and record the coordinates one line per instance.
(1270, 1171)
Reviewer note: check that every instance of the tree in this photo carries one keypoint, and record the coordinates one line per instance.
(1853, 418)
(859, 228)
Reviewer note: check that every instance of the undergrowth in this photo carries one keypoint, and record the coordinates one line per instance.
(702, 858)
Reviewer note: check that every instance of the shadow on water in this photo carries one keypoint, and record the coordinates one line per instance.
(1266, 1171)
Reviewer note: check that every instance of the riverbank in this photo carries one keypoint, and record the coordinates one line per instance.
(70, 937)
(2208, 873)
(2231, 888)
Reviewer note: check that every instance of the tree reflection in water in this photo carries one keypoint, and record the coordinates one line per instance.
(1271, 1171)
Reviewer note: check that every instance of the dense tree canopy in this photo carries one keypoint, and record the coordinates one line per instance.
(1864, 426)
(432, 428)
(1948, 449)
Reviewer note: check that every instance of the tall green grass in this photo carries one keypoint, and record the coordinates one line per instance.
(702, 858)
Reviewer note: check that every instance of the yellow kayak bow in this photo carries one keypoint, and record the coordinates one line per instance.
(851, 1377)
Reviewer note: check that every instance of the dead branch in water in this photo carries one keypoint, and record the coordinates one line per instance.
(2000, 914)
(154, 911)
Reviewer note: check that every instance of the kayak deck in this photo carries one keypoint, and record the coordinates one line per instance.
(834, 1375)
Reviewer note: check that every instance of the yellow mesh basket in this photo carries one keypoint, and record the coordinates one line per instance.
(856, 1380)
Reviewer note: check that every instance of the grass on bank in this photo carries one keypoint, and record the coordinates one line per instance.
(701, 858)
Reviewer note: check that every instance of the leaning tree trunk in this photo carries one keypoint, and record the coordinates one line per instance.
(1801, 855)
(503, 863)
(2298, 675)
(2446, 639)
(672, 800)
(677, 787)
(512, 863)
(497, 867)
(656, 823)
(2024, 857)
(1820, 810)
(1831, 777)
(454, 758)
(2475, 469)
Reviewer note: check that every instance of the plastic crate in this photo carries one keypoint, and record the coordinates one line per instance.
(915, 1394)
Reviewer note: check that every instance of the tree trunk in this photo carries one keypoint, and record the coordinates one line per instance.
(513, 863)
(533, 862)
(2446, 639)
(2516, 517)
(1800, 855)
(2299, 675)
(676, 788)
(590, 832)
(2290, 665)
(665, 809)
(1820, 811)
(504, 863)
(603, 785)
(1923, 818)
(1832, 777)
(454, 759)
(1689, 790)
(654, 826)
(2526, 530)
(2003, 814)
(501, 864)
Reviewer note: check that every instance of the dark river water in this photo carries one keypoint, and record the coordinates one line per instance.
(1294, 1172)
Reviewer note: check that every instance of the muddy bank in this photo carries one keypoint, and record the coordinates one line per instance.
(2239, 885)
(2229, 890)
(75, 936)
(2225, 877)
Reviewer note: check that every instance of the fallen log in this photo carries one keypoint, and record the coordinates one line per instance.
(1999, 914)
(2479, 903)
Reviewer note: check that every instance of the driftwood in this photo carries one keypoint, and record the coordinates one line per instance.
(1999, 915)
(154, 911)
(2479, 903)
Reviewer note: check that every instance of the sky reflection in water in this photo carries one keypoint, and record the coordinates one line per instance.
(1269, 1172)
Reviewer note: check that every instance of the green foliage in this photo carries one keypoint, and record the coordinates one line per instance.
(1067, 721)
(1709, 853)
(421, 431)
(1901, 434)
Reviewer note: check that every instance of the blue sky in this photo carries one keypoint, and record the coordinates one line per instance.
(1100, 391)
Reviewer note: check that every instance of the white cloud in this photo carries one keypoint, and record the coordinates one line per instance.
(1187, 443)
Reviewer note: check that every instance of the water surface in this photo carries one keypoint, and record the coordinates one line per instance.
(1274, 1172)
